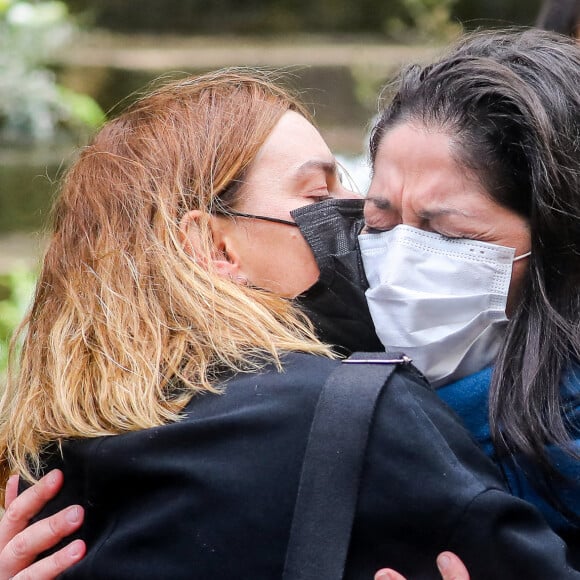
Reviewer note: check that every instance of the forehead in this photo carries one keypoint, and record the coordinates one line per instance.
(293, 165)
(419, 166)
(293, 142)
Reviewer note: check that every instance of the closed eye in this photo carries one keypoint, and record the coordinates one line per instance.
(319, 197)
(373, 230)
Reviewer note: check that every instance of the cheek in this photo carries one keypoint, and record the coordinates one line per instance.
(299, 270)
(281, 262)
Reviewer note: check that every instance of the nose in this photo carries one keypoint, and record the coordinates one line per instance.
(380, 215)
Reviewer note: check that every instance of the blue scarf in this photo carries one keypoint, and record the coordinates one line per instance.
(469, 398)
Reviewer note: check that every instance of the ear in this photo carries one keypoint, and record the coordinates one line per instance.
(224, 258)
(190, 234)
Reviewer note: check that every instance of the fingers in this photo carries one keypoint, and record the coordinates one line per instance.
(451, 567)
(22, 508)
(11, 490)
(388, 574)
(20, 545)
(50, 567)
(24, 547)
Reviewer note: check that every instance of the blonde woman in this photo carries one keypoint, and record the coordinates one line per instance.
(166, 371)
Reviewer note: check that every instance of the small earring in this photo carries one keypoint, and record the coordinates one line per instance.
(241, 280)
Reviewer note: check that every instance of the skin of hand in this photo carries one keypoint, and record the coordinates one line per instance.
(450, 568)
(20, 545)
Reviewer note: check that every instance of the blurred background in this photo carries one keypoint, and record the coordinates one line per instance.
(67, 65)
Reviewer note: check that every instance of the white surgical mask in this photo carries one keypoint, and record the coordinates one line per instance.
(439, 300)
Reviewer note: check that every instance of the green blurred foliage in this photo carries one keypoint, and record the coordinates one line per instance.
(28, 185)
(33, 107)
(424, 20)
(16, 289)
(408, 18)
(397, 19)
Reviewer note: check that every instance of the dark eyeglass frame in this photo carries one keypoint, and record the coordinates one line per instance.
(233, 213)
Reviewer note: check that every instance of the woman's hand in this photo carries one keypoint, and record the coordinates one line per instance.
(20, 545)
(450, 567)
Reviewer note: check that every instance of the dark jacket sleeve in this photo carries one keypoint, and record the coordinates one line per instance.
(514, 541)
(427, 487)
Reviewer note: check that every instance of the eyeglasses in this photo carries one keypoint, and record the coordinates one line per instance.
(232, 213)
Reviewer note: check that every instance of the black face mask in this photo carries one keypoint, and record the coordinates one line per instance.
(336, 304)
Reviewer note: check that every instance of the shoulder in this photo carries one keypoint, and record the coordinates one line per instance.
(421, 446)
(427, 483)
(300, 379)
(316, 370)
(297, 384)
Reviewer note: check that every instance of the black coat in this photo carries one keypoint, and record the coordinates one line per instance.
(212, 496)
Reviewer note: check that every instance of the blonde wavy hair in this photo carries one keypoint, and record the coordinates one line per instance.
(125, 326)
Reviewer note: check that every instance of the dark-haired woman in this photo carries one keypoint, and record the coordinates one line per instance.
(476, 189)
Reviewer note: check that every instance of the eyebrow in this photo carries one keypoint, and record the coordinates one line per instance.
(329, 167)
(442, 211)
(383, 204)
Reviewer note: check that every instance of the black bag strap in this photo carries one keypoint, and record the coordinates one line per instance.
(331, 471)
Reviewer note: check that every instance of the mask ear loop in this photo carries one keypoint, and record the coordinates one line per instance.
(220, 207)
(233, 213)
(522, 256)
